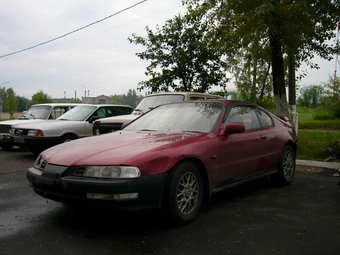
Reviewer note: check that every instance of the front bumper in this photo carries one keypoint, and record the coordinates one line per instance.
(6, 138)
(57, 183)
(39, 143)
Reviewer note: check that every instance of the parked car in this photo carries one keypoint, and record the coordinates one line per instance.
(173, 158)
(74, 124)
(107, 125)
(36, 112)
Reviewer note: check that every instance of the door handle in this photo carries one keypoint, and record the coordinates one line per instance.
(263, 137)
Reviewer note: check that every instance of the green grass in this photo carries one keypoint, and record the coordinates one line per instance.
(315, 144)
(310, 118)
(316, 136)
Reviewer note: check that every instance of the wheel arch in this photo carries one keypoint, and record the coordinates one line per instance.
(205, 179)
(75, 136)
(293, 145)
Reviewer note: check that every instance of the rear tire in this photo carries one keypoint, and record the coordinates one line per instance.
(286, 169)
(183, 194)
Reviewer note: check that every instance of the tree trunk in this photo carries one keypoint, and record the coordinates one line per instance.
(280, 98)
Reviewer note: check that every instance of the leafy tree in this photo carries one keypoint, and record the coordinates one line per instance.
(180, 60)
(23, 103)
(291, 31)
(131, 98)
(3, 94)
(311, 96)
(11, 104)
(40, 97)
(116, 99)
(332, 102)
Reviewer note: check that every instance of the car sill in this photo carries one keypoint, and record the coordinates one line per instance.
(242, 182)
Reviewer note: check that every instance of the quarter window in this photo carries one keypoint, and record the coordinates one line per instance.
(265, 120)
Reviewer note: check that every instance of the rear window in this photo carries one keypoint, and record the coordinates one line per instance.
(151, 102)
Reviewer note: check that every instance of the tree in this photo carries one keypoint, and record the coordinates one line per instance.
(332, 102)
(40, 97)
(11, 104)
(130, 98)
(311, 96)
(298, 29)
(23, 103)
(180, 60)
(116, 99)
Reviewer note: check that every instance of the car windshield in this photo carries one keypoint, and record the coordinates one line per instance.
(37, 112)
(149, 103)
(187, 117)
(78, 113)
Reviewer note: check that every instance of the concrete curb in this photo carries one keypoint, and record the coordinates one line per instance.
(330, 165)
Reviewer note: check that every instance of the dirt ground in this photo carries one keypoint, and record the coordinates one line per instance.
(6, 116)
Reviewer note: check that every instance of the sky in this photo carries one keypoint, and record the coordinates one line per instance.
(98, 59)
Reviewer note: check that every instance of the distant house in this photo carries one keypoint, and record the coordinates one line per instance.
(96, 100)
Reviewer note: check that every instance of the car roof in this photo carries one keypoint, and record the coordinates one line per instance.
(183, 93)
(100, 105)
(56, 104)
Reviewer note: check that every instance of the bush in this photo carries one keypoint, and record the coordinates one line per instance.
(334, 150)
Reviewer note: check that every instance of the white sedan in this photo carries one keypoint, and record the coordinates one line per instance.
(74, 124)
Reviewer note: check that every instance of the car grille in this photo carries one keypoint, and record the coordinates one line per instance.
(20, 131)
(4, 128)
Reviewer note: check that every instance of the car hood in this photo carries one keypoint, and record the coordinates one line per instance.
(120, 147)
(17, 121)
(119, 119)
(46, 124)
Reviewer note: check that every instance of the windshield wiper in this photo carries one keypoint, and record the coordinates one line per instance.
(139, 110)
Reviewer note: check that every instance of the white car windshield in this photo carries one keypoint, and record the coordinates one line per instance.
(37, 112)
(149, 103)
(187, 117)
(78, 113)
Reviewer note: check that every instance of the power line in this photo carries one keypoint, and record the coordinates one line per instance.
(96, 22)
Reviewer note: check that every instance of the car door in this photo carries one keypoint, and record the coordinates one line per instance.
(101, 112)
(245, 154)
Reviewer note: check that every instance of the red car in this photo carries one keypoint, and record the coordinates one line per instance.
(173, 157)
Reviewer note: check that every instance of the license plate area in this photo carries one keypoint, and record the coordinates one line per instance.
(19, 140)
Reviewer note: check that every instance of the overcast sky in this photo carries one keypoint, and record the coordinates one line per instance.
(98, 58)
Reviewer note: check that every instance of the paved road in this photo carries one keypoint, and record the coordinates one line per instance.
(258, 218)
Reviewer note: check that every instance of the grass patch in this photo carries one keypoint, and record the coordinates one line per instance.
(315, 144)
(317, 135)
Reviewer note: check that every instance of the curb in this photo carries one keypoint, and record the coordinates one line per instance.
(330, 165)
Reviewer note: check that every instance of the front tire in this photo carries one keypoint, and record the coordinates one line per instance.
(67, 138)
(286, 169)
(7, 146)
(183, 194)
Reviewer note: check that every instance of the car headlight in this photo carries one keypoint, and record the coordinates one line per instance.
(112, 172)
(35, 132)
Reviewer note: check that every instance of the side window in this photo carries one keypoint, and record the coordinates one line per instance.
(57, 112)
(123, 110)
(265, 120)
(195, 98)
(244, 114)
(100, 113)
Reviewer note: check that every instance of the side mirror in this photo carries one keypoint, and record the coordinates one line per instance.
(234, 127)
(94, 118)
